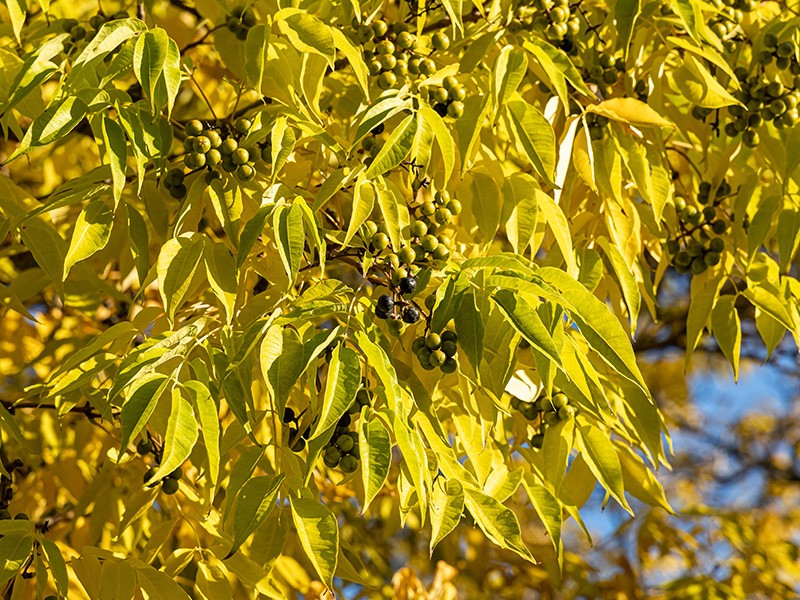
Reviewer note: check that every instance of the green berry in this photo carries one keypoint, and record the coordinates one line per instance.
(243, 125)
(245, 173)
(170, 486)
(440, 41)
(229, 146)
(240, 156)
(193, 127)
(348, 464)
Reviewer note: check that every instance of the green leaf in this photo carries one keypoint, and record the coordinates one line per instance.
(509, 71)
(443, 138)
(37, 68)
(363, 203)
(91, 233)
(699, 86)
(454, 11)
(769, 302)
(498, 522)
(255, 51)
(788, 236)
(140, 403)
(536, 137)
(171, 77)
(306, 33)
(519, 197)
(375, 449)
(469, 127)
(208, 416)
(640, 482)
(596, 323)
(48, 248)
(17, 10)
(254, 502)
(319, 535)
(625, 14)
(603, 462)
(354, 57)
(139, 240)
(629, 111)
(58, 567)
(557, 221)
(149, 61)
(727, 330)
(394, 209)
(251, 231)
(116, 151)
(549, 509)
(703, 293)
(555, 62)
(14, 551)
(108, 38)
(395, 149)
(344, 379)
(522, 315)
(12, 427)
(447, 505)
(470, 329)
(177, 263)
(288, 225)
(53, 124)
(626, 279)
(281, 362)
(221, 273)
(380, 111)
(180, 438)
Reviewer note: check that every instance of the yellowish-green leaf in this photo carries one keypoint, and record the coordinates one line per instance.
(344, 379)
(91, 233)
(375, 449)
(319, 535)
(253, 504)
(630, 111)
(180, 437)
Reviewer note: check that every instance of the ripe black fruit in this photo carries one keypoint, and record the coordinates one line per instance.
(408, 285)
(410, 314)
(386, 303)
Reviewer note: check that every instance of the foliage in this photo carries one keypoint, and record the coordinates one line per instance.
(268, 269)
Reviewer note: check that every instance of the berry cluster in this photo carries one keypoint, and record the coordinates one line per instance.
(553, 18)
(389, 52)
(342, 449)
(436, 350)
(240, 21)
(695, 248)
(297, 439)
(448, 98)
(394, 306)
(784, 53)
(598, 126)
(206, 147)
(169, 484)
(604, 71)
(548, 410)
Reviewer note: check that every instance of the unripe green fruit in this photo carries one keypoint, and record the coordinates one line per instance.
(449, 336)
(537, 441)
(178, 191)
(77, 33)
(427, 66)
(433, 341)
(344, 443)
(364, 34)
(213, 157)
(188, 143)
(750, 138)
(443, 216)
(148, 475)
(175, 176)
(429, 243)
(387, 80)
(427, 209)
(201, 144)
(698, 266)
(194, 160)
(770, 40)
(438, 358)
(348, 464)
(419, 228)
(245, 173)
(388, 62)
(393, 260)
(332, 454)
(551, 418)
(176, 474)
(248, 18)
(711, 259)
(440, 41)
(374, 67)
(299, 445)
(449, 348)
(380, 241)
(144, 447)
(458, 93)
(68, 24)
(449, 366)
(228, 165)
(193, 127)
(418, 344)
(406, 40)
(379, 28)
(266, 154)
(240, 156)
(440, 95)
(565, 413)
(21, 517)
(683, 259)
(559, 400)
(243, 125)
(455, 109)
(229, 146)
(717, 245)
(440, 253)
(407, 255)
(386, 47)
(170, 486)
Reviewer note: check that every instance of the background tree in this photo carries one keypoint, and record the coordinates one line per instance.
(293, 295)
